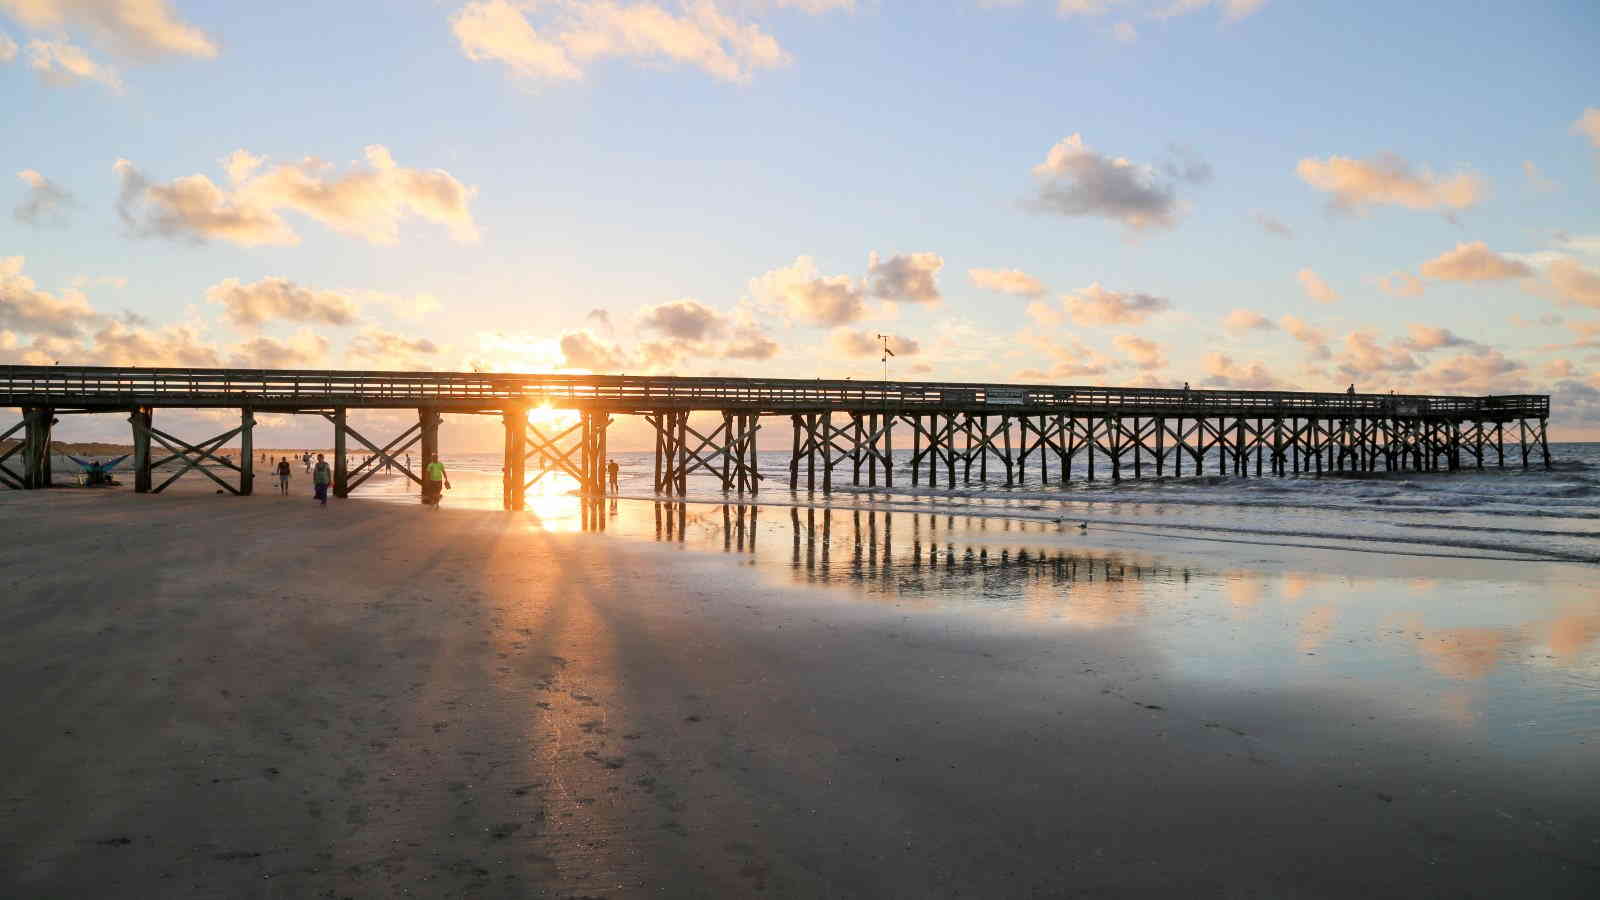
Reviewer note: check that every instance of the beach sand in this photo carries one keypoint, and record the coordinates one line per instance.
(214, 696)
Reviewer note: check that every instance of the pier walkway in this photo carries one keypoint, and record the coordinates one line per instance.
(839, 429)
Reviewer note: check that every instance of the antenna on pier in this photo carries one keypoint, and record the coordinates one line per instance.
(883, 339)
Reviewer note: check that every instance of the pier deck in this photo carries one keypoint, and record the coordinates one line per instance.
(957, 430)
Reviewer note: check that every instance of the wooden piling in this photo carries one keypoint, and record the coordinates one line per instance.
(140, 418)
(513, 468)
(247, 452)
(428, 419)
(341, 462)
(37, 422)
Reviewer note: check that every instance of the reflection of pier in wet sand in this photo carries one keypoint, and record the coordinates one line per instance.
(896, 549)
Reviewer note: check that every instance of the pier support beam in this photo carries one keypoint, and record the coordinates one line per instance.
(37, 422)
(140, 418)
(341, 453)
(192, 456)
(513, 492)
(727, 452)
(345, 479)
(592, 459)
(247, 452)
(428, 420)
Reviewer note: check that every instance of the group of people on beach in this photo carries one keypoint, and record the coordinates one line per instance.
(435, 480)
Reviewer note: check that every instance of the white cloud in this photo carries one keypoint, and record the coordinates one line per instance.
(1094, 305)
(1573, 283)
(1477, 371)
(911, 277)
(27, 310)
(1232, 10)
(1241, 320)
(1401, 284)
(1046, 315)
(1474, 262)
(119, 344)
(368, 202)
(1145, 354)
(305, 349)
(278, 299)
(1222, 371)
(377, 348)
(1314, 339)
(1364, 358)
(684, 319)
(1125, 32)
(45, 202)
(1389, 180)
(1073, 359)
(1536, 178)
(141, 27)
(1315, 287)
(802, 294)
(1271, 225)
(1423, 338)
(64, 64)
(1074, 180)
(1588, 125)
(858, 344)
(562, 37)
(1008, 281)
(8, 48)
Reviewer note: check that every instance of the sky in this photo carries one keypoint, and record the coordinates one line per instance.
(1228, 193)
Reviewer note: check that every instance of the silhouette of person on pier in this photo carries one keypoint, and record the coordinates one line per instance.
(611, 471)
(284, 470)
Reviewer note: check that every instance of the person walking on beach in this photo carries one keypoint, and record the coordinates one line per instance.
(611, 470)
(284, 469)
(434, 482)
(321, 477)
(306, 458)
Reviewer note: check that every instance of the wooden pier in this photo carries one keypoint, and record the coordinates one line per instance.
(841, 430)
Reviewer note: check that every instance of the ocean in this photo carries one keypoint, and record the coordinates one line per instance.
(1512, 513)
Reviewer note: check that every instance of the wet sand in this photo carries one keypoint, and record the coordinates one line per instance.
(212, 696)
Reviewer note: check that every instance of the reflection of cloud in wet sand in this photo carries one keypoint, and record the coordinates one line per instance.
(1316, 624)
(1465, 653)
(1092, 603)
(1571, 635)
(1295, 585)
(1244, 590)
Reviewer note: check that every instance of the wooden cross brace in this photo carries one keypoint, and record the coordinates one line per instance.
(694, 462)
(940, 454)
(549, 449)
(387, 454)
(9, 478)
(193, 455)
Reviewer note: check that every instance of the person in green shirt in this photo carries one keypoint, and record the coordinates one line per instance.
(321, 477)
(434, 482)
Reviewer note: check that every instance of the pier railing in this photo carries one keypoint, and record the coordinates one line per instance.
(93, 386)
